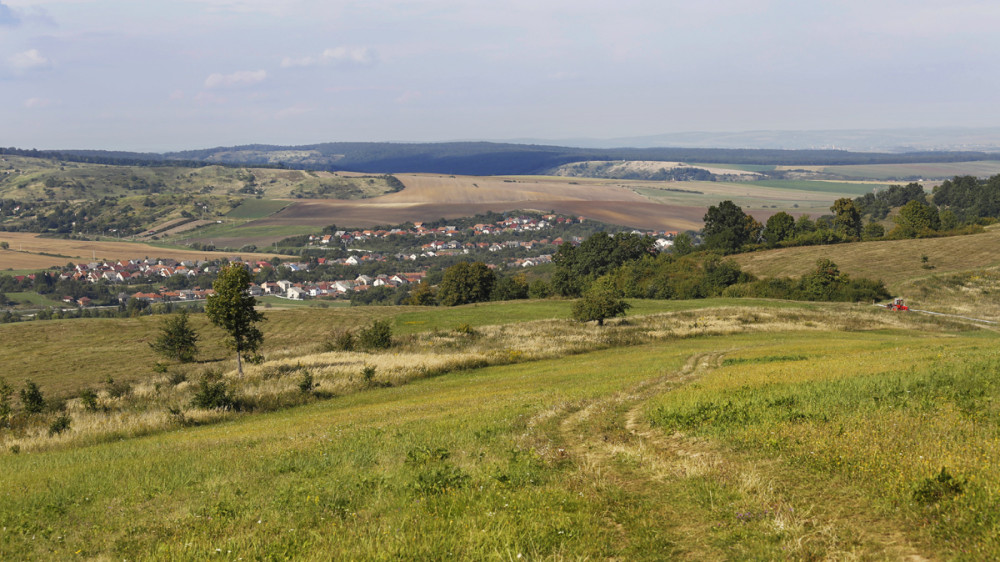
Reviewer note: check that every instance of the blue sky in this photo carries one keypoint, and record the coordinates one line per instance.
(139, 75)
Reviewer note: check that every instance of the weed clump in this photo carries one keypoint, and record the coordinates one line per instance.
(937, 488)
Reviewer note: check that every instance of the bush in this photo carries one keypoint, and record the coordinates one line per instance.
(212, 393)
(89, 400)
(60, 425)
(306, 384)
(376, 336)
(117, 389)
(343, 341)
(368, 374)
(32, 398)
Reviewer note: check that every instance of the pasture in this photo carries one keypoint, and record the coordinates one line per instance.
(897, 262)
(632, 448)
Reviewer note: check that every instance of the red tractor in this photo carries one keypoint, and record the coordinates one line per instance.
(897, 304)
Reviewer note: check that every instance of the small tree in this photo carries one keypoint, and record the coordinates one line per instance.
(177, 339)
(4, 245)
(6, 391)
(32, 398)
(232, 309)
(602, 300)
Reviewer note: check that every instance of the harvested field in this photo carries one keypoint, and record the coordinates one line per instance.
(27, 249)
(430, 197)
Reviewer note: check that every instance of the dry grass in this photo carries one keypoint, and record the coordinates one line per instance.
(276, 383)
(896, 262)
(26, 249)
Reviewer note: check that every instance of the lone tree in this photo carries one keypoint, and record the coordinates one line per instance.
(177, 339)
(602, 300)
(232, 309)
(465, 283)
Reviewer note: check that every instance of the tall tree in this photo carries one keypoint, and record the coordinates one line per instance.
(727, 227)
(232, 309)
(780, 227)
(847, 219)
(177, 339)
(465, 283)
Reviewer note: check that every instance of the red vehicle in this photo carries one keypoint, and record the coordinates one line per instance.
(897, 304)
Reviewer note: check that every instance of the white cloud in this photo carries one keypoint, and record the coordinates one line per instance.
(37, 103)
(361, 56)
(294, 111)
(236, 79)
(29, 60)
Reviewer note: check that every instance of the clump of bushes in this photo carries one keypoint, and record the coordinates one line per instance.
(376, 336)
(213, 393)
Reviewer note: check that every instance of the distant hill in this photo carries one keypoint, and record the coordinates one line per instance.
(482, 158)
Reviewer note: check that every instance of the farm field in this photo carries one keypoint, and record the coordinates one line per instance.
(27, 251)
(706, 430)
(900, 172)
(643, 204)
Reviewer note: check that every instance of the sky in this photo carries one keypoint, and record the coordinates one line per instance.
(155, 76)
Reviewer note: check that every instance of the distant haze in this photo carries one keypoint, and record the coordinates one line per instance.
(885, 140)
(156, 76)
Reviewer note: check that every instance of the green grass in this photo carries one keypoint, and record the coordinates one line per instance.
(886, 412)
(819, 186)
(536, 460)
(257, 208)
(34, 299)
(940, 170)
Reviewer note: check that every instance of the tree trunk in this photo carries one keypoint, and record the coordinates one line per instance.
(239, 363)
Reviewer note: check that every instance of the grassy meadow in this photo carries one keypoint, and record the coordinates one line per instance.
(722, 429)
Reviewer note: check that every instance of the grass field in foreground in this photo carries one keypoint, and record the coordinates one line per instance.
(552, 459)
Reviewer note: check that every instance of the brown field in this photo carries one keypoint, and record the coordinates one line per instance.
(26, 251)
(897, 262)
(430, 197)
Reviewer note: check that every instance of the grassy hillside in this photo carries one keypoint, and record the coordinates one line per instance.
(576, 456)
(896, 262)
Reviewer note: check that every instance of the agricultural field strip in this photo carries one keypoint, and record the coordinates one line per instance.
(26, 251)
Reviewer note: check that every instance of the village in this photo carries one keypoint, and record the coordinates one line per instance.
(340, 263)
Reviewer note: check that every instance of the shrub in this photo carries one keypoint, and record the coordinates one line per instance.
(212, 393)
(32, 398)
(368, 374)
(60, 425)
(376, 336)
(177, 378)
(89, 400)
(343, 340)
(117, 389)
(6, 391)
(306, 385)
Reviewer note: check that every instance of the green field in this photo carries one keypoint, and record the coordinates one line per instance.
(257, 208)
(819, 186)
(710, 430)
(901, 172)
